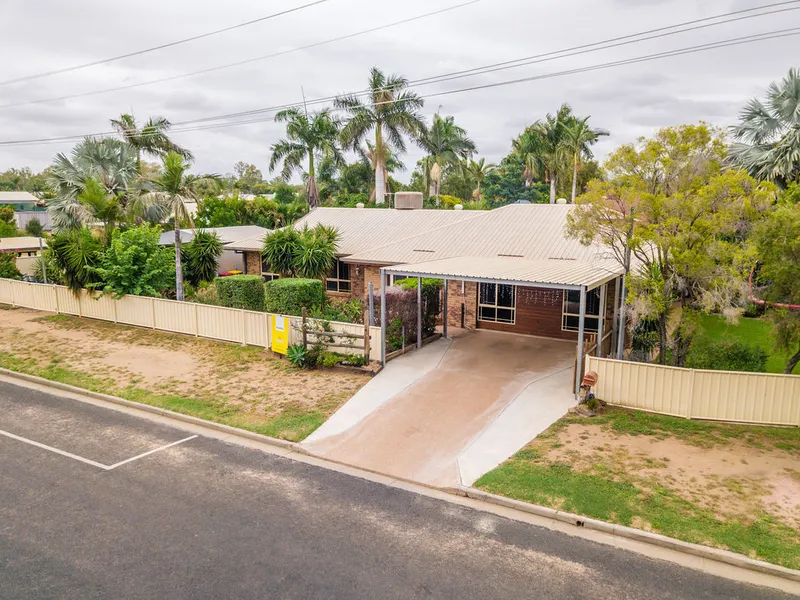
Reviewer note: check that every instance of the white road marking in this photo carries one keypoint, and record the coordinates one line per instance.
(124, 462)
(89, 461)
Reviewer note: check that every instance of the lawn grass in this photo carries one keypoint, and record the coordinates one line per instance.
(753, 331)
(293, 423)
(627, 498)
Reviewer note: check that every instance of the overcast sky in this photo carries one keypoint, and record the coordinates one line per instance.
(630, 101)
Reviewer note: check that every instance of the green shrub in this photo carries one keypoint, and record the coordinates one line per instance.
(8, 266)
(431, 306)
(34, 228)
(351, 311)
(290, 296)
(206, 293)
(727, 355)
(241, 291)
(297, 354)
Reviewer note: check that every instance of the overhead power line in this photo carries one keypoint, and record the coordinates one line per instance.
(766, 36)
(159, 47)
(678, 28)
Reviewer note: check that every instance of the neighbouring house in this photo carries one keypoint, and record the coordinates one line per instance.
(232, 259)
(26, 250)
(20, 201)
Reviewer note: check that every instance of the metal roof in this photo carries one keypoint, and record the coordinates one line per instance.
(228, 235)
(25, 243)
(17, 197)
(533, 232)
(517, 271)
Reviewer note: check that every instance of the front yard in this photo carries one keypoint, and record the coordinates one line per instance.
(728, 486)
(245, 387)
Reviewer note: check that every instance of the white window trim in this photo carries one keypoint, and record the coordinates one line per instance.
(565, 314)
(495, 306)
(339, 281)
(272, 276)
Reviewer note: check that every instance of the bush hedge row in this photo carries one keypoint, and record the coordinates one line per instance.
(241, 291)
(289, 296)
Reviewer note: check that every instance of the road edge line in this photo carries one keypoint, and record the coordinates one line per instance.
(620, 531)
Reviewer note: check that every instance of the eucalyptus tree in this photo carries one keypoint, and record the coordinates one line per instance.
(446, 144)
(151, 138)
(580, 137)
(391, 111)
(768, 134)
(309, 137)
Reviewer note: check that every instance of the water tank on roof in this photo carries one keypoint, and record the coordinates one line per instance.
(408, 200)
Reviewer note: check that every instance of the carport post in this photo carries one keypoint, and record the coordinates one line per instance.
(581, 330)
(383, 318)
(444, 310)
(419, 312)
(601, 325)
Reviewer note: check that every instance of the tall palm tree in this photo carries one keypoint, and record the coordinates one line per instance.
(768, 136)
(171, 192)
(109, 163)
(311, 137)
(391, 110)
(151, 139)
(579, 140)
(477, 170)
(544, 148)
(530, 147)
(391, 162)
(446, 144)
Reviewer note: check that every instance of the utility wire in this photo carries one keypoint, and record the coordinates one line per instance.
(660, 32)
(160, 47)
(612, 64)
(246, 61)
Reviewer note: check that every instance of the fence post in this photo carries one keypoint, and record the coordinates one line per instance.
(303, 327)
(196, 321)
(367, 348)
(11, 286)
(81, 296)
(153, 310)
(690, 408)
(55, 294)
(244, 328)
(115, 301)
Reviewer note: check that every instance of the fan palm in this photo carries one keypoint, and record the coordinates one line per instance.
(311, 137)
(477, 170)
(171, 192)
(768, 136)
(391, 110)
(579, 140)
(446, 144)
(151, 139)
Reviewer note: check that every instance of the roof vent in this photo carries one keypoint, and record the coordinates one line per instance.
(458, 207)
(408, 200)
(561, 201)
(360, 205)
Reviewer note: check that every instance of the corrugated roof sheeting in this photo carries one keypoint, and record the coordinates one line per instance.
(515, 270)
(26, 243)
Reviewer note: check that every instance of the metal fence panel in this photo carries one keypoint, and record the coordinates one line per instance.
(257, 328)
(171, 315)
(68, 303)
(220, 323)
(97, 306)
(135, 310)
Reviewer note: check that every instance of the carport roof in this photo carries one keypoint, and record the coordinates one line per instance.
(517, 271)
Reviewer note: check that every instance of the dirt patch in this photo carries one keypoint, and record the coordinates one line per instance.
(250, 379)
(734, 481)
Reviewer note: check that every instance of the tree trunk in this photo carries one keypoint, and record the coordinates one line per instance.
(438, 193)
(432, 189)
(792, 363)
(312, 192)
(380, 183)
(178, 266)
(575, 180)
(552, 190)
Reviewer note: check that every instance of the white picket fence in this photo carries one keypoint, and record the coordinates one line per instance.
(760, 398)
(201, 320)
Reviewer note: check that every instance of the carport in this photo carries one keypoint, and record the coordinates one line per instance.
(510, 273)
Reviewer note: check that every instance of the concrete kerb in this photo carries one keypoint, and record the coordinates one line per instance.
(579, 522)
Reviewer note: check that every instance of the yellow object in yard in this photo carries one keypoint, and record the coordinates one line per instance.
(280, 334)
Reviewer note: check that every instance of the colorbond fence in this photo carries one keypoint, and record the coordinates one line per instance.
(761, 398)
(201, 320)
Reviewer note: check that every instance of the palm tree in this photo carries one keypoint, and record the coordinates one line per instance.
(172, 191)
(313, 137)
(544, 148)
(108, 163)
(477, 170)
(391, 162)
(151, 139)
(392, 111)
(446, 144)
(768, 136)
(579, 139)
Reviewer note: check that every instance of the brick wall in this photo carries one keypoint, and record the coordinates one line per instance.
(252, 263)
(538, 313)
(456, 298)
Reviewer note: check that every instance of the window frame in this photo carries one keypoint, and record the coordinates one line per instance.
(590, 316)
(496, 307)
(266, 274)
(341, 285)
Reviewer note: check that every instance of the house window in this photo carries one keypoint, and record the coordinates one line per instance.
(266, 273)
(339, 279)
(497, 303)
(571, 313)
(395, 279)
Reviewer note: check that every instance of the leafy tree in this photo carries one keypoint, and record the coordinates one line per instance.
(247, 177)
(76, 252)
(226, 211)
(579, 138)
(8, 227)
(34, 228)
(506, 184)
(768, 135)
(151, 139)
(8, 266)
(309, 253)
(135, 263)
(172, 191)
(446, 144)
(778, 243)
(201, 257)
(391, 111)
(309, 137)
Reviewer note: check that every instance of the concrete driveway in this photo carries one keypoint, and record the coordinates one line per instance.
(475, 400)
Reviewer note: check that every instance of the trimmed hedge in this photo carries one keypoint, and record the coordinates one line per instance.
(727, 355)
(241, 291)
(289, 296)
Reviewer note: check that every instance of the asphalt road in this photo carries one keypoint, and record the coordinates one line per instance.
(205, 519)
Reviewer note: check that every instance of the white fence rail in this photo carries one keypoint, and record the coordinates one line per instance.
(212, 322)
(760, 398)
